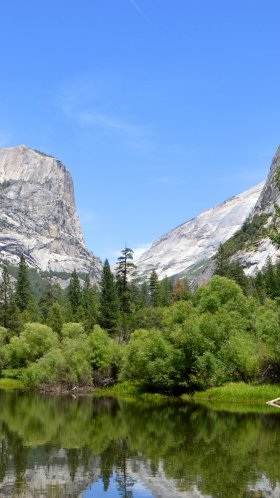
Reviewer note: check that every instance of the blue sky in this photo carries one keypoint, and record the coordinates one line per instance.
(159, 108)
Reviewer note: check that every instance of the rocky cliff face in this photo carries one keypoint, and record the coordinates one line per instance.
(187, 248)
(38, 215)
(257, 254)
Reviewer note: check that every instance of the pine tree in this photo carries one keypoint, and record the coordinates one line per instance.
(125, 269)
(221, 262)
(5, 297)
(32, 312)
(270, 279)
(47, 299)
(154, 289)
(166, 291)
(55, 318)
(74, 292)
(14, 320)
(23, 288)
(90, 304)
(144, 295)
(109, 305)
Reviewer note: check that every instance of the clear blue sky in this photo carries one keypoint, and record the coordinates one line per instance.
(159, 108)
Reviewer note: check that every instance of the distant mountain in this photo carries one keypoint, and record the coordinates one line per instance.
(188, 248)
(38, 216)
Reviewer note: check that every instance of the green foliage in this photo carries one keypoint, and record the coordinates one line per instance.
(23, 288)
(72, 330)
(277, 177)
(77, 360)
(146, 318)
(252, 230)
(154, 289)
(66, 364)
(125, 268)
(5, 297)
(220, 292)
(56, 317)
(35, 340)
(178, 340)
(274, 231)
(151, 360)
(165, 292)
(102, 350)
(238, 392)
(5, 184)
(109, 313)
(90, 303)
(32, 312)
(74, 293)
(230, 269)
(222, 335)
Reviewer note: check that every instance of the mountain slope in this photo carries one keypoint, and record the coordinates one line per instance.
(194, 242)
(256, 254)
(38, 215)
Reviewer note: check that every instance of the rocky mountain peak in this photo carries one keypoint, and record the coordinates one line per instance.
(38, 214)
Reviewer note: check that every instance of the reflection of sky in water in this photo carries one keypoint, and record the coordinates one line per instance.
(134, 490)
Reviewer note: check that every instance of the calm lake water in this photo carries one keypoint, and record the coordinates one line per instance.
(100, 447)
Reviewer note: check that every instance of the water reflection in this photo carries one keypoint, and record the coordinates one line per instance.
(95, 447)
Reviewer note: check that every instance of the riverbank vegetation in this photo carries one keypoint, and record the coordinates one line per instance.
(233, 391)
(159, 336)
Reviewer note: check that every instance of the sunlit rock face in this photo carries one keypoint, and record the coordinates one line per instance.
(262, 250)
(191, 244)
(38, 215)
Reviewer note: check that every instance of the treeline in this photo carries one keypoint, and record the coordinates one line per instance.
(156, 333)
(116, 305)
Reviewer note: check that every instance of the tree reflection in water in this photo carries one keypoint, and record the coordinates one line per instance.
(62, 446)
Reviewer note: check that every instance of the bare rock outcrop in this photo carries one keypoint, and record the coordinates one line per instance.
(38, 216)
(188, 248)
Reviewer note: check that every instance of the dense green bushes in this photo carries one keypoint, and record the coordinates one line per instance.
(71, 358)
(167, 340)
(222, 336)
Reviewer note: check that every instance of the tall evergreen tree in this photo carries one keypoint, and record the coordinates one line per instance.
(166, 291)
(109, 305)
(47, 299)
(55, 318)
(125, 269)
(154, 289)
(230, 269)
(14, 318)
(23, 288)
(74, 292)
(90, 304)
(221, 262)
(5, 297)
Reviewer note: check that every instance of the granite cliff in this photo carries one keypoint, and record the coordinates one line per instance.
(187, 249)
(38, 216)
(254, 256)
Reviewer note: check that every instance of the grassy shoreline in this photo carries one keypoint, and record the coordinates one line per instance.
(237, 392)
(232, 393)
(8, 384)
